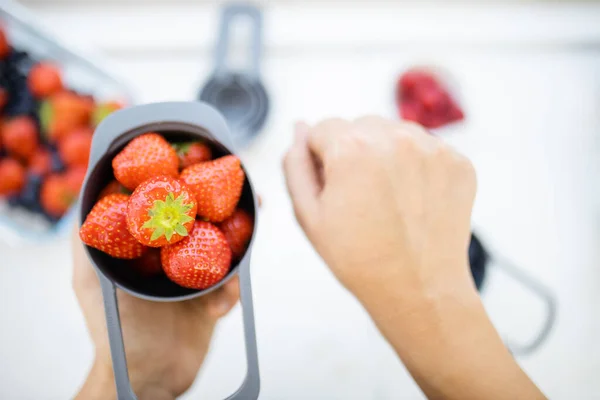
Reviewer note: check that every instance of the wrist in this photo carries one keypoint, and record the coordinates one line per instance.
(445, 338)
(100, 384)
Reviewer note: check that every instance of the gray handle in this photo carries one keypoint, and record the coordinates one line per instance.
(539, 290)
(230, 13)
(250, 386)
(115, 338)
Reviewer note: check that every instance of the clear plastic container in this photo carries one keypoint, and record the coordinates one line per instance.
(80, 73)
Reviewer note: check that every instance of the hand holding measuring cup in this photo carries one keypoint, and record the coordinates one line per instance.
(163, 363)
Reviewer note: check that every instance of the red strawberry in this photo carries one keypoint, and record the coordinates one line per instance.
(422, 98)
(111, 188)
(104, 110)
(192, 153)
(238, 231)
(44, 80)
(161, 211)
(217, 185)
(41, 162)
(20, 137)
(4, 46)
(149, 264)
(12, 177)
(146, 156)
(57, 195)
(64, 112)
(3, 98)
(75, 148)
(105, 229)
(200, 260)
(75, 177)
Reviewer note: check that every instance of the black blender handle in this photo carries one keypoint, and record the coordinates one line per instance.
(539, 290)
(250, 386)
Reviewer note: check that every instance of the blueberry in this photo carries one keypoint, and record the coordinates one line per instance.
(31, 193)
(49, 217)
(14, 201)
(20, 100)
(57, 164)
(478, 259)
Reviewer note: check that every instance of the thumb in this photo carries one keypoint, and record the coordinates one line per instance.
(301, 175)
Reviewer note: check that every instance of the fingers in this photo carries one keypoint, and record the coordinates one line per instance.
(221, 301)
(324, 138)
(301, 174)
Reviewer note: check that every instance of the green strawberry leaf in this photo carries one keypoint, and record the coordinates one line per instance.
(168, 217)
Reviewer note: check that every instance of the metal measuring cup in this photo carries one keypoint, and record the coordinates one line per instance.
(176, 121)
(239, 95)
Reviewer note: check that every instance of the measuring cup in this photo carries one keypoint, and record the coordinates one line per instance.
(240, 96)
(480, 259)
(176, 121)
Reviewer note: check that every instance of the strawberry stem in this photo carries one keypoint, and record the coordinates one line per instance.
(168, 217)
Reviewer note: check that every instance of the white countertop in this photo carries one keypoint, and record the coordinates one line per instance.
(529, 78)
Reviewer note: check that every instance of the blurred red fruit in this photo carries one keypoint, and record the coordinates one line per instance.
(41, 162)
(20, 137)
(74, 149)
(4, 46)
(44, 80)
(57, 195)
(12, 176)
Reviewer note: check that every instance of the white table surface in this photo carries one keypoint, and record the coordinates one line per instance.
(529, 77)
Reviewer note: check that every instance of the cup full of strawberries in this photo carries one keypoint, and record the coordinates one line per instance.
(167, 213)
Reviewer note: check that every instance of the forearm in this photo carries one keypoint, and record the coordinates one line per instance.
(449, 345)
(100, 385)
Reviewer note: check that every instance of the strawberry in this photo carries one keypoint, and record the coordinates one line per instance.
(200, 260)
(75, 177)
(105, 229)
(75, 148)
(41, 162)
(146, 156)
(20, 137)
(57, 195)
(3, 98)
(192, 153)
(217, 185)
(238, 231)
(62, 113)
(4, 46)
(103, 110)
(161, 211)
(44, 80)
(111, 188)
(149, 264)
(12, 177)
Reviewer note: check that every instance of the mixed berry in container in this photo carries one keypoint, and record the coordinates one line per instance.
(46, 131)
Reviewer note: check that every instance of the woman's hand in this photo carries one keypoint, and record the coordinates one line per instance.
(165, 343)
(388, 207)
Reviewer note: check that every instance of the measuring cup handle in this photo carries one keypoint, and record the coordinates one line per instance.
(539, 290)
(229, 14)
(251, 385)
(115, 335)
